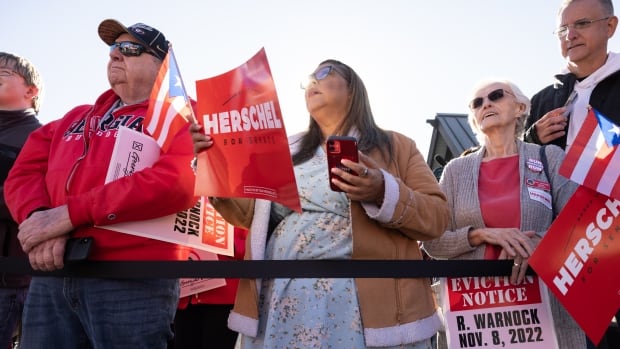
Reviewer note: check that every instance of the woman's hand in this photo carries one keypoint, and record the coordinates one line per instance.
(516, 245)
(519, 267)
(513, 241)
(201, 141)
(367, 186)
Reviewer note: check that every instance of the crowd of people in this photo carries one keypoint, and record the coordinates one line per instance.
(389, 206)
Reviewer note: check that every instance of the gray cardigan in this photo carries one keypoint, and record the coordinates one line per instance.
(460, 184)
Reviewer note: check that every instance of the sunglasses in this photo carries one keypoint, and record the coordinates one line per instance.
(493, 96)
(130, 49)
(322, 73)
(318, 75)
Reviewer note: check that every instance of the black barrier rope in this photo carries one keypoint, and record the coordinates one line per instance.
(268, 269)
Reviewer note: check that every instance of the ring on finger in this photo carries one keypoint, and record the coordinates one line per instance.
(517, 265)
(364, 172)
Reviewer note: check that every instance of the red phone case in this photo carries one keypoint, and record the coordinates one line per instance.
(340, 147)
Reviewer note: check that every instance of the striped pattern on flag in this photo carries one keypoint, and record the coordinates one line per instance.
(168, 105)
(591, 162)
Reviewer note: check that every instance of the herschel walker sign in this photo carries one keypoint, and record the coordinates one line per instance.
(579, 257)
(250, 157)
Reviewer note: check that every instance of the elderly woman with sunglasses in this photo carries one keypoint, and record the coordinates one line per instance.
(380, 214)
(501, 200)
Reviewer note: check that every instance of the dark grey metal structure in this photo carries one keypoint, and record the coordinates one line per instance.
(451, 137)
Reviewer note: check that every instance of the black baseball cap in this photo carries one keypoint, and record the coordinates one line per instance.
(110, 29)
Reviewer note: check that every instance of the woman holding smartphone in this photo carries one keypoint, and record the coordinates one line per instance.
(388, 201)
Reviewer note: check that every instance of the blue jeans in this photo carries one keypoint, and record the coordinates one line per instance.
(11, 305)
(76, 313)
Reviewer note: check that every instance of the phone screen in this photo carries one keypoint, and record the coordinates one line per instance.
(338, 148)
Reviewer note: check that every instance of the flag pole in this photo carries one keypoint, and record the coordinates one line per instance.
(191, 110)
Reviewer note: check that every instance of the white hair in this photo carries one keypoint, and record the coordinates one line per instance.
(520, 98)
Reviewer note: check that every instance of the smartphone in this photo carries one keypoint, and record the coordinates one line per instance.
(569, 103)
(338, 148)
(78, 249)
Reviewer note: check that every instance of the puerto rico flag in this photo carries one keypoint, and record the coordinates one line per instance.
(169, 108)
(593, 159)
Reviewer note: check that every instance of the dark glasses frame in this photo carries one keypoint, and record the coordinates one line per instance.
(493, 96)
(131, 49)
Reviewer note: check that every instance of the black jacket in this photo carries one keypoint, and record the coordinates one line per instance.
(605, 98)
(15, 127)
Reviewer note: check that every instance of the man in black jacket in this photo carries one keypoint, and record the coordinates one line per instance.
(584, 28)
(592, 74)
(20, 88)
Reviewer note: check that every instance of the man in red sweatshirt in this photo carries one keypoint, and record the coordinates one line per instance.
(56, 190)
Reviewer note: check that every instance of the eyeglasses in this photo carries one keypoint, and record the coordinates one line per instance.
(322, 73)
(7, 72)
(579, 25)
(318, 75)
(493, 96)
(130, 49)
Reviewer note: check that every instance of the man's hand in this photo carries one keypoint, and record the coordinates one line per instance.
(44, 225)
(552, 125)
(49, 255)
(200, 140)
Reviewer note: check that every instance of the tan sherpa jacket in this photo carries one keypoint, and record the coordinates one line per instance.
(394, 311)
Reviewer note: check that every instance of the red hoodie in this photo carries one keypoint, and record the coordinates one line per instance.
(66, 162)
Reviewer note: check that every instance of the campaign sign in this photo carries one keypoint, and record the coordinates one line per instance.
(578, 260)
(197, 285)
(490, 312)
(199, 227)
(250, 157)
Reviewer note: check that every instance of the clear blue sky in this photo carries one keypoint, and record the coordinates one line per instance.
(417, 58)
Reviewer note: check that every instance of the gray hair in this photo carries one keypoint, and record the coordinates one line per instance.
(27, 70)
(519, 96)
(606, 5)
